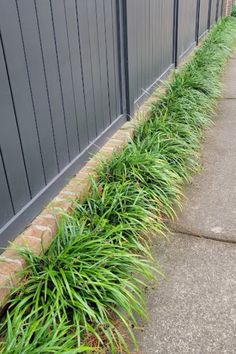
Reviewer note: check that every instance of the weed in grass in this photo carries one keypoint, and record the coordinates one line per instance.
(96, 267)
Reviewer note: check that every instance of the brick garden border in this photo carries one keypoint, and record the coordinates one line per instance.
(39, 234)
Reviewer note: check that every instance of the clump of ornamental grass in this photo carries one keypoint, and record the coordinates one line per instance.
(122, 209)
(177, 121)
(233, 13)
(149, 173)
(41, 335)
(96, 268)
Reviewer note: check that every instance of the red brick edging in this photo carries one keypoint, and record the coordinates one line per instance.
(39, 234)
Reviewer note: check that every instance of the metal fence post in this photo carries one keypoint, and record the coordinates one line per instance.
(124, 57)
(217, 10)
(209, 15)
(222, 8)
(197, 20)
(175, 32)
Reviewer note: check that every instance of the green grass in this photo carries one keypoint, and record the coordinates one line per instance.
(87, 290)
(233, 13)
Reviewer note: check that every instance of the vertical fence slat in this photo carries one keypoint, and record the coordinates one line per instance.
(64, 64)
(7, 210)
(146, 45)
(197, 21)
(14, 51)
(133, 57)
(187, 26)
(143, 47)
(209, 15)
(10, 144)
(221, 8)
(77, 79)
(175, 32)
(45, 26)
(103, 63)
(116, 57)
(38, 86)
(213, 12)
(95, 64)
(150, 41)
(83, 28)
(123, 40)
(110, 57)
(139, 47)
(203, 17)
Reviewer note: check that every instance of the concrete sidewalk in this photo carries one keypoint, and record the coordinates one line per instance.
(193, 310)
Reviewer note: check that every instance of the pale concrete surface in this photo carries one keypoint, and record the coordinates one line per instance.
(193, 310)
(210, 206)
(229, 90)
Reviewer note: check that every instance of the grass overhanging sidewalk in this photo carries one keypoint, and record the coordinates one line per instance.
(91, 279)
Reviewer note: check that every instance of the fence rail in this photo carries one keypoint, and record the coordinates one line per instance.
(71, 72)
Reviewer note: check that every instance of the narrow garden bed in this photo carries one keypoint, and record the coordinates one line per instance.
(81, 294)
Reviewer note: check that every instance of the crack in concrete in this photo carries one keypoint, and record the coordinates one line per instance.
(202, 236)
(227, 98)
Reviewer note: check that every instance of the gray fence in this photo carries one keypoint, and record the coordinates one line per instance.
(187, 26)
(71, 72)
(203, 17)
(150, 44)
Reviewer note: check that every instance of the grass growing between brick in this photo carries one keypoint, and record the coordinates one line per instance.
(81, 294)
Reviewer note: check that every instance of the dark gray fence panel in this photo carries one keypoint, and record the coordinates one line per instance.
(64, 67)
(101, 32)
(22, 95)
(222, 7)
(203, 17)
(76, 73)
(51, 74)
(219, 9)
(87, 67)
(70, 73)
(111, 52)
(60, 96)
(96, 74)
(114, 31)
(150, 44)
(11, 146)
(213, 14)
(33, 56)
(7, 210)
(186, 26)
